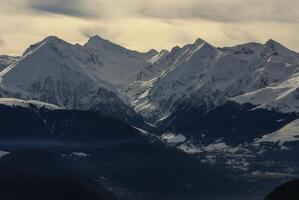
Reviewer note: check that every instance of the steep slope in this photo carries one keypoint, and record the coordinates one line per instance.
(5, 61)
(120, 66)
(204, 75)
(177, 80)
(51, 74)
(165, 61)
(60, 73)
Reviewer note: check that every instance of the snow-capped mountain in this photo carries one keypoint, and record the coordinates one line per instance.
(204, 75)
(52, 71)
(104, 76)
(66, 75)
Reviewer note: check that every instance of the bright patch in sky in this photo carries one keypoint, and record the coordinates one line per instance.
(146, 24)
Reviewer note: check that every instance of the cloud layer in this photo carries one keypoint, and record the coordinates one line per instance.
(64, 7)
(215, 10)
(145, 24)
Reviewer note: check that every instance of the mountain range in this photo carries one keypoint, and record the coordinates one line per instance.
(234, 108)
(152, 84)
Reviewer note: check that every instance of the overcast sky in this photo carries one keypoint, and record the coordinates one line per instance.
(146, 24)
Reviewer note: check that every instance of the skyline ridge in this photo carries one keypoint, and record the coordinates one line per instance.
(97, 36)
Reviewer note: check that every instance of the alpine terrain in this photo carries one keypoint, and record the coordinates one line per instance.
(195, 122)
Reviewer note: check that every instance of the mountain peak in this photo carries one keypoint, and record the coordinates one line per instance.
(199, 41)
(152, 52)
(99, 44)
(277, 47)
(273, 48)
(202, 44)
(53, 40)
(96, 40)
(272, 43)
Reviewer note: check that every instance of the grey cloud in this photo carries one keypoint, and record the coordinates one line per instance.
(225, 11)
(74, 8)
(229, 11)
(253, 10)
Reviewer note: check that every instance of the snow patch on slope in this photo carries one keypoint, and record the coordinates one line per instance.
(289, 133)
(3, 153)
(173, 139)
(27, 104)
(281, 96)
